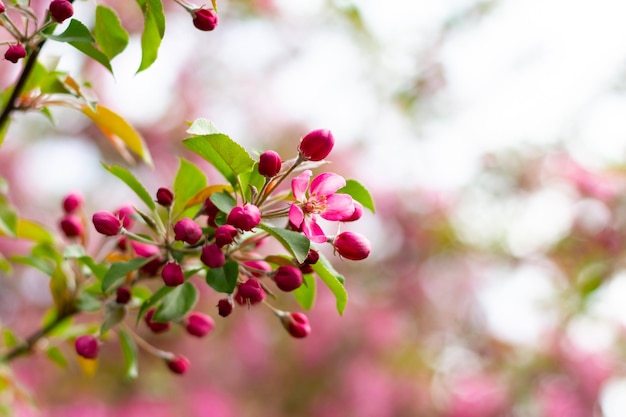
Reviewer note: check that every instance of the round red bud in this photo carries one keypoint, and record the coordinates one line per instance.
(188, 231)
(224, 307)
(198, 324)
(71, 225)
(225, 235)
(312, 257)
(269, 164)
(205, 19)
(245, 217)
(106, 223)
(257, 268)
(212, 256)
(172, 274)
(211, 210)
(288, 277)
(297, 324)
(2, 8)
(72, 202)
(87, 346)
(61, 10)
(15, 53)
(249, 292)
(316, 145)
(156, 327)
(123, 295)
(353, 246)
(178, 365)
(164, 196)
(356, 215)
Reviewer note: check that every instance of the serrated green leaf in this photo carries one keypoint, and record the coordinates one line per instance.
(134, 184)
(94, 53)
(296, 243)
(56, 356)
(118, 271)
(358, 192)
(76, 31)
(305, 294)
(223, 279)
(333, 280)
(189, 180)
(202, 127)
(177, 303)
(130, 354)
(153, 31)
(110, 36)
(226, 155)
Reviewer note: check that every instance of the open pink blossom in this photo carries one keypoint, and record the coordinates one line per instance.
(320, 200)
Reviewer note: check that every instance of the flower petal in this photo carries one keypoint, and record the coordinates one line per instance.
(296, 215)
(299, 185)
(313, 231)
(338, 207)
(327, 183)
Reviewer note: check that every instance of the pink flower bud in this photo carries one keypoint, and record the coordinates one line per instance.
(205, 19)
(316, 145)
(249, 292)
(156, 327)
(178, 365)
(125, 214)
(297, 324)
(212, 256)
(312, 257)
(15, 53)
(172, 274)
(145, 250)
(225, 235)
(353, 246)
(224, 307)
(188, 231)
(288, 278)
(257, 268)
(72, 202)
(87, 346)
(106, 223)
(123, 295)
(2, 8)
(245, 217)
(164, 196)
(199, 324)
(211, 211)
(71, 225)
(61, 10)
(356, 215)
(269, 164)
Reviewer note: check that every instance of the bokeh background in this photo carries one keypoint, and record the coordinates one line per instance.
(492, 135)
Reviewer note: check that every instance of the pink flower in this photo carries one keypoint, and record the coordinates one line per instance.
(321, 200)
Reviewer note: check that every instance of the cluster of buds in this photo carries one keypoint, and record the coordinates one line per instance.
(219, 234)
(58, 12)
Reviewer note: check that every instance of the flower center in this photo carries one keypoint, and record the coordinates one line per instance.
(314, 205)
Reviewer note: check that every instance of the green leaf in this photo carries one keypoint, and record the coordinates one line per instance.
(34, 232)
(333, 280)
(153, 31)
(56, 356)
(8, 219)
(252, 179)
(42, 265)
(5, 266)
(226, 155)
(113, 314)
(296, 243)
(94, 53)
(177, 303)
(133, 183)
(78, 252)
(153, 300)
(10, 339)
(305, 294)
(202, 127)
(129, 351)
(110, 36)
(88, 302)
(76, 31)
(223, 201)
(189, 180)
(358, 192)
(223, 279)
(118, 271)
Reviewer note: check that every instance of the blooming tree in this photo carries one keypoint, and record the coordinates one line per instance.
(142, 266)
